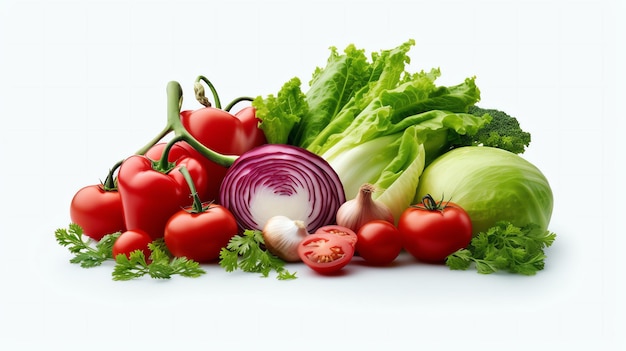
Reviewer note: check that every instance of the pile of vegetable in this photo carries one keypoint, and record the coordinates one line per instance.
(369, 161)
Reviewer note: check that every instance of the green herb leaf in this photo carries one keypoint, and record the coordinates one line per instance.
(88, 253)
(245, 252)
(161, 265)
(505, 247)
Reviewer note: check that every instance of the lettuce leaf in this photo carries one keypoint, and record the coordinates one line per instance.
(373, 121)
(278, 114)
(330, 89)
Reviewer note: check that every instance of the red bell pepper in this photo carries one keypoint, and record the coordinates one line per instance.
(210, 134)
(254, 135)
(152, 192)
(222, 132)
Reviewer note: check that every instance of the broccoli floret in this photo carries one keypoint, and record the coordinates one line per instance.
(503, 132)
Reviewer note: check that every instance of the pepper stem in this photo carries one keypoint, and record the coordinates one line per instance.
(174, 102)
(154, 140)
(236, 101)
(199, 90)
(164, 164)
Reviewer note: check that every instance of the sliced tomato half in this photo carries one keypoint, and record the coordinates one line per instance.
(343, 232)
(325, 253)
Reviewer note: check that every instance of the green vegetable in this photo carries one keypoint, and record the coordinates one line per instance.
(505, 247)
(280, 113)
(373, 121)
(331, 88)
(503, 131)
(492, 185)
(161, 266)
(87, 254)
(245, 252)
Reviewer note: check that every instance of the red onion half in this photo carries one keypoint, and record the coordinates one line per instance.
(281, 180)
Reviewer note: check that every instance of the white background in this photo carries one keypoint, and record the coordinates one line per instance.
(82, 85)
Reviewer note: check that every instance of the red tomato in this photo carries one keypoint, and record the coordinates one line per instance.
(97, 211)
(343, 232)
(431, 231)
(130, 241)
(325, 253)
(379, 242)
(200, 236)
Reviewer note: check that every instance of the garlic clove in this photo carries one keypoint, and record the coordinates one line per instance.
(282, 235)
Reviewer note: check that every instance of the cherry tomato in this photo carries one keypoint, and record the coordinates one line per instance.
(343, 232)
(200, 236)
(379, 242)
(97, 211)
(325, 253)
(130, 241)
(431, 231)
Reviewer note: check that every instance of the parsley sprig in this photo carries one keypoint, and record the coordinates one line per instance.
(245, 252)
(159, 266)
(505, 247)
(90, 253)
(87, 254)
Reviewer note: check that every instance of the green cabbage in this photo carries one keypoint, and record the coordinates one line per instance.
(492, 185)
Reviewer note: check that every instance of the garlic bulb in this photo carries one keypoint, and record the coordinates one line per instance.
(362, 209)
(282, 236)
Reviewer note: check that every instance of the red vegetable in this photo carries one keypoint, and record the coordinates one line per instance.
(378, 242)
(343, 232)
(130, 241)
(152, 193)
(97, 209)
(222, 132)
(200, 231)
(213, 136)
(253, 135)
(219, 131)
(215, 172)
(177, 151)
(272, 180)
(432, 230)
(325, 253)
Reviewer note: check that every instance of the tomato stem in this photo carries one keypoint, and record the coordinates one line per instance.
(197, 206)
(109, 183)
(199, 91)
(430, 204)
